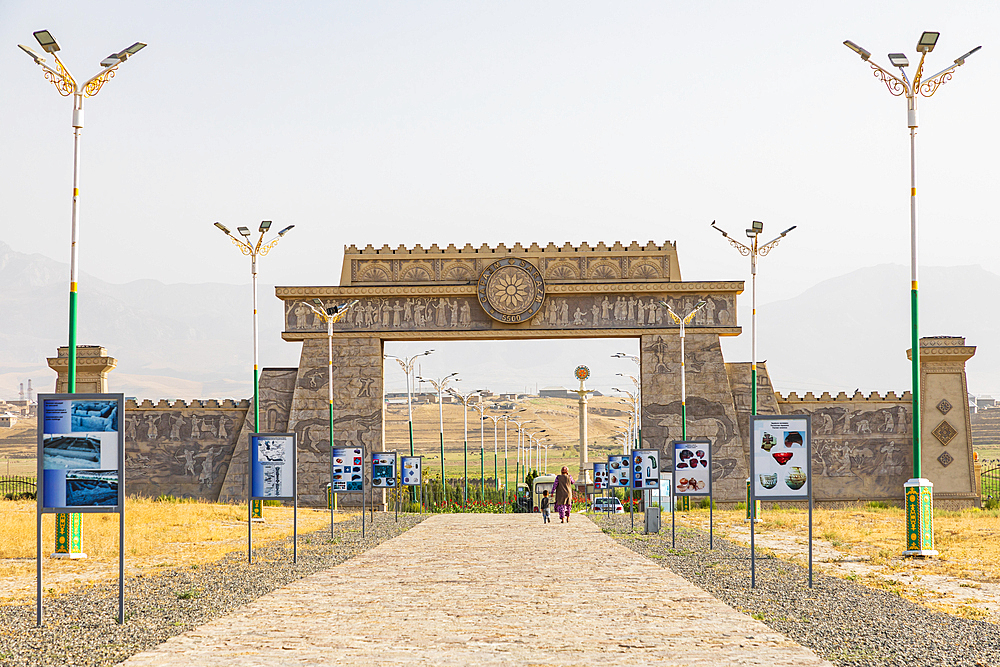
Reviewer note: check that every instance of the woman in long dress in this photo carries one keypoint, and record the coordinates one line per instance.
(562, 489)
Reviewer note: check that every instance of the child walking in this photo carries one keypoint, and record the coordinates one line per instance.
(545, 506)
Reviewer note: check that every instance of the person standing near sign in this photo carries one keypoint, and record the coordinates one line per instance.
(562, 489)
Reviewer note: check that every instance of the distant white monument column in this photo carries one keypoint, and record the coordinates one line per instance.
(582, 373)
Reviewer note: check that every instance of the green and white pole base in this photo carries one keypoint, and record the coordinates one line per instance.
(756, 507)
(257, 511)
(69, 536)
(683, 503)
(919, 494)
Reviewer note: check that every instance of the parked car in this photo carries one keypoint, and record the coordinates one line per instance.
(612, 505)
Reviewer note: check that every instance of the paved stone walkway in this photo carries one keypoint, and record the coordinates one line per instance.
(482, 589)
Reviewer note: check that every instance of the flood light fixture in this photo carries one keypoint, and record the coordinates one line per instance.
(927, 42)
(46, 41)
(958, 61)
(39, 60)
(222, 227)
(865, 55)
(899, 60)
(265, 225)
(244, 231)
(285, 230)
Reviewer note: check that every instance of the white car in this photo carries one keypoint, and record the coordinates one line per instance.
(612, 505)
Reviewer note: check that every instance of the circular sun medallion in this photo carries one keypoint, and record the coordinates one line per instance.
(511, 290)
(581, 373)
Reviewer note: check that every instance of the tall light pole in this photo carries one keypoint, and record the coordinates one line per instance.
(465, 414)
(331, 315)
(683, 321)
(754, 250)
(638, 392)
(260, 249)
(67, 85)
(407, 366)
(439, 386)
(519, 423)
(480, 407)
(917, 491)
(506, 418)
(633, 402)
(496, 471)
(535, 462)
(637, 408)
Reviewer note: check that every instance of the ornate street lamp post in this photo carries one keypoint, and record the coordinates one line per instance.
(465, 414)
(407, 366)
(439, 386)
(683, 321)
(917, 491)
(255, 250)
(66, 85)
(754, 250)
(331, 315)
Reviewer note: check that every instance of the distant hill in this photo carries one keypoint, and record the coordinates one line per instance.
(170, 340)
(191, 341)
(853, 331)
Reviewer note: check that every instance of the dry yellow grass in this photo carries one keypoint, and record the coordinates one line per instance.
(966, 541)
(158, 535)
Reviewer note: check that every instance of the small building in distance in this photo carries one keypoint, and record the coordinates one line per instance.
(7, 420)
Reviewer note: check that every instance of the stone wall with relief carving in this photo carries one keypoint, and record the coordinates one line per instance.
(357, 397)
(710, 409)
(180, 449)
(559, 312)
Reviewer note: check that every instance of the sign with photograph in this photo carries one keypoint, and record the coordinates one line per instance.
(780, 466)
(692, 474)
(618, 467)
(81, 452)
(645, 469)
(272, 466)
(384, 469)
(412, 466)
(348, 469)
(600, 476)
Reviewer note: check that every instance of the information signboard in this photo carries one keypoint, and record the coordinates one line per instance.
(272, 466)
(384, 469)
(348, 469)
(81, 467)
(412, 470)
(618, 475)
(780, 467)
(692, 474)
(600, 476)
(81, 452)
(645, 469)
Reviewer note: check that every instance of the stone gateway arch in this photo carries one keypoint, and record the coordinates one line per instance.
(503, 293)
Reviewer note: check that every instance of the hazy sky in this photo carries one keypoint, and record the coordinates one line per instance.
(410, 122)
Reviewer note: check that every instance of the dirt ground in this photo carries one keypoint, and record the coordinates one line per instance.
(17, 448)
(866, 545)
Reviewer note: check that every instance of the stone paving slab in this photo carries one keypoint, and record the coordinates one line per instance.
(484, 589)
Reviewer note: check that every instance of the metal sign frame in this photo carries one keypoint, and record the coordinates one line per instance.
(704, 447)
(57, 425)
(257, 479)
(795, 446)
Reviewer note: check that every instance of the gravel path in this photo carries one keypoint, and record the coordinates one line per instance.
(846, 623)
(80, 627)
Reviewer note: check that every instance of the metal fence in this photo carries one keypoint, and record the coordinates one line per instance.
(15, 484)
(989, 479)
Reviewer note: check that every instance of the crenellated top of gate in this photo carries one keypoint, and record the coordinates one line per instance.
(565, 264)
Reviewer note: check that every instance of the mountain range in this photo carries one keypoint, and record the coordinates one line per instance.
(194, 341)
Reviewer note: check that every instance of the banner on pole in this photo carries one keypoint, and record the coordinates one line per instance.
(81, 452)
(618, 467)
(272, 466)
(384, 469)
(692, 474)
(348, 468)
(412, 470)
(646, 469)
(780, 464)
(600, 476)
